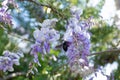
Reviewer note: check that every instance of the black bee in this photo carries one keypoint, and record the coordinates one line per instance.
(64, 45)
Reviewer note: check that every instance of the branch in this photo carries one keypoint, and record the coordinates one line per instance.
(14, 75)
(49, 6)
(20, 37)
(107, 51)
(40, 4)
(15, 35)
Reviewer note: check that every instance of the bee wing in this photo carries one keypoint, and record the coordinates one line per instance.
(59, 47)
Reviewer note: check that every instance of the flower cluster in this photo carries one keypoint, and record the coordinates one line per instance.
(8, 60)
(4, 13)
(44, 38)
(79, 38)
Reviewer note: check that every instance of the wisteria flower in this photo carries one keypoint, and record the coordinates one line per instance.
(78, 50)
(49, 22)
(5, 13)
(6, 64)
(8, 60)
(44, 38)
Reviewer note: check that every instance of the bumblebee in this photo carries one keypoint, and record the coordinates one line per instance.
(64, 46)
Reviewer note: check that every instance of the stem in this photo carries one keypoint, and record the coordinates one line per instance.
(14, 75)
(51, 7)
(19, 37)
(15, 35)
(107, 51)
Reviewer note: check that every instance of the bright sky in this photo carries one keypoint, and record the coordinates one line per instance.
(93, 4)
(109, 9)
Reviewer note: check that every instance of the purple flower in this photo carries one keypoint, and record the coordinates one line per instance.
(44, 38)
(36, 48)
(13, 56)
(77, 52)
(4, 12)
(8, 60)
(49, 22)
(5, 2)
(68, 36)
(76, 12)
(4, 15)
(46, 34)
(6, 64)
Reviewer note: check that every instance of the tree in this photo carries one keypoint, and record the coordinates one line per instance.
(55, 40)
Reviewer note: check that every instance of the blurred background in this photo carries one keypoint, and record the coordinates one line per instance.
(105, 35)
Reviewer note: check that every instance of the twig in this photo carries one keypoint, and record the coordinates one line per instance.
(107, 51)
(49, 6)
(14, 75)
(59, 67)
(118, 43)
(15, 35)
(19, 37)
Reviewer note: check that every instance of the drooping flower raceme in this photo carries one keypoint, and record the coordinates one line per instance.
(9, 59)
(44, 38)
(5, 13)
(79, 38)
